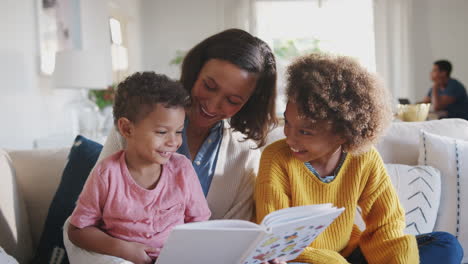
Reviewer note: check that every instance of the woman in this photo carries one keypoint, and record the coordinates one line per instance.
(231, 77)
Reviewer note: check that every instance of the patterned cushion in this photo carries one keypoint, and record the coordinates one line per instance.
(418, 189)
(450, 156)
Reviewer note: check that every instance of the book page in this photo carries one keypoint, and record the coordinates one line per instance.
(221, 224)
(199, 243)
(286, 241)
(291, 213)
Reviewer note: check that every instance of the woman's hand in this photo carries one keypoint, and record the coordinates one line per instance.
(137, 253)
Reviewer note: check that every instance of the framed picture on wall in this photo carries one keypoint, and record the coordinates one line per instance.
(59, 28)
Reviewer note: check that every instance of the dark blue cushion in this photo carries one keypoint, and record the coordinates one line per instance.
(81, 159)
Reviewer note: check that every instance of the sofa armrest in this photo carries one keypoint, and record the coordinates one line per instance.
(38, 174)
(15, 234)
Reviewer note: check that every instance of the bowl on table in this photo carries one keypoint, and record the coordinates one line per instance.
(413, 112)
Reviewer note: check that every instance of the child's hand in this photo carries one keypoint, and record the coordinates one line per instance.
(138, 253)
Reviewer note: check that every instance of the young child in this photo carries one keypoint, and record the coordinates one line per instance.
(335, 112)
(135, 197)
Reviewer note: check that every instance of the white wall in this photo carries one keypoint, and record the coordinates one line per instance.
(439, 30)
(30, 108)
(174, 25)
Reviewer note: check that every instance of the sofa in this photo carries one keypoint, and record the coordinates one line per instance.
(29, 179)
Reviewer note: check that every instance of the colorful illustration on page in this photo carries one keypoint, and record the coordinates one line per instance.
(286, 245)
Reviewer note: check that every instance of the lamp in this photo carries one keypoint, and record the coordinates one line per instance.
(83, 70)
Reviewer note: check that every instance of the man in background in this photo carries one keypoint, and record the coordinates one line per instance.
(447, 94)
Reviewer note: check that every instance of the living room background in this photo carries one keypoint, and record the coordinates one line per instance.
(30, 108)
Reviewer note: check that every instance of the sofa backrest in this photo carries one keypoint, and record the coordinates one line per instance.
(400, 144)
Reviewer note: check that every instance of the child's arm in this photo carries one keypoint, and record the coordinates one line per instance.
(93, 239)
(272, 192)
(384, 241)
(196, 209)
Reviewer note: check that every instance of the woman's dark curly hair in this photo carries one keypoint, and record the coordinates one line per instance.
(249, 53)
(139, 93)
(339, 90)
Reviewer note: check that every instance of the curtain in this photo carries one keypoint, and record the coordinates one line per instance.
(392, 23)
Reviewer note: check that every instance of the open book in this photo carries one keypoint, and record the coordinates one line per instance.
(282, 234)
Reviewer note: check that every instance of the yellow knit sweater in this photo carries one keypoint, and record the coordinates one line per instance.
(285, 181)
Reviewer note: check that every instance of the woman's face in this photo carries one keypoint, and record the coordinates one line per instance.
(220, 91)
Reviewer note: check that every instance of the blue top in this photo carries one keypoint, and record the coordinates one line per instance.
(327, 179)
(206, 158)
(455, 89)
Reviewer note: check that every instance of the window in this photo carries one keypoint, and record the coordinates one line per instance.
(118, 51)
(296, 27)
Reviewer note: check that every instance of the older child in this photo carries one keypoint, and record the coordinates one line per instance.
(335, 112)
(136, 196)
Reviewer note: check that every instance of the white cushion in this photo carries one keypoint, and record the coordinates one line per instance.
(450, 156)
(15, 236)
(418, 189)
(400, 144)
(5, 258)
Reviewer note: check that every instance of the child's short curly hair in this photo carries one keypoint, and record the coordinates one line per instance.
(139, 93)
(339, 90)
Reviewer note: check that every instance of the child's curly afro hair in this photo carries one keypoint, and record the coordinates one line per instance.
(339, 90)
